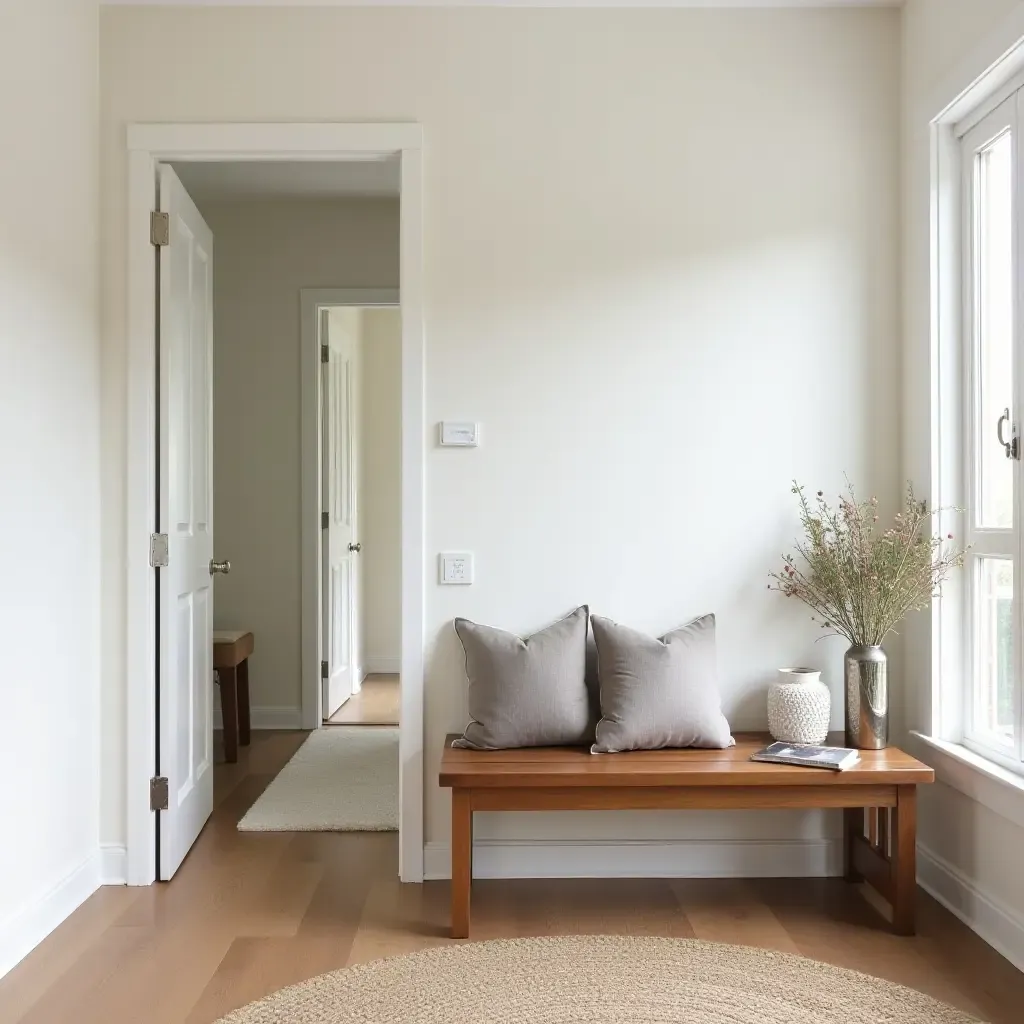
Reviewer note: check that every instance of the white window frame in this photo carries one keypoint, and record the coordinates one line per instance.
(975, 135)
(933, 455)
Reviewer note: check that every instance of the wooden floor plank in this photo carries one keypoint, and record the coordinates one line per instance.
(829, 924)
(254, 967)
(377, 703)
(250, 913)
(576, 906)
(731, 910)
(398, 919)
(62, 953)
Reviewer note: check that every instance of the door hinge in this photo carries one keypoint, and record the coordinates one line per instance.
(159, 551)
(325, 520)
(325, 353)
(158, 794)
(159, 228)
(323, 669)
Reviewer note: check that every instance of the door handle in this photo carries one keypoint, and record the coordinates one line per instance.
(355, 547)
(222, 567)
(1011, 447)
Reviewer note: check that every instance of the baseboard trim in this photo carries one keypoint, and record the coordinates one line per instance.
(687, 858)
(267, 717)
(382, 665)
(113, 864)
(27, 927)
(1001, 927)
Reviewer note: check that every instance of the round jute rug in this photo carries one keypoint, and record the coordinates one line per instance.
(601, 979)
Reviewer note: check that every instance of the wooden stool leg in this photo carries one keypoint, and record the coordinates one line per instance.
(904, 860)
(229, 711)
(243, 703)
(462, 862)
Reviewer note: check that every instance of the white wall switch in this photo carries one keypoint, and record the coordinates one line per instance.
(460, 434)
(456, 567)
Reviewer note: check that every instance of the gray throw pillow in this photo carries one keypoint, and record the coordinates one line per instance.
(658, 693)
(527, 693)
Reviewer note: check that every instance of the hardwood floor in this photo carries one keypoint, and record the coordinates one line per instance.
(377, 703)
(248, 914)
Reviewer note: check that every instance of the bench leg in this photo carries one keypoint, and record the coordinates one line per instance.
(904, 860)
(853, 826)
(229, 712)
(243, 703)
(462, 862)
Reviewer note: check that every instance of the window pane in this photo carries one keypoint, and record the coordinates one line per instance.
(994, 326)
(993, 650)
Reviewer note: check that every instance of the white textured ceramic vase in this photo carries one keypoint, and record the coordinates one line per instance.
(799, 706)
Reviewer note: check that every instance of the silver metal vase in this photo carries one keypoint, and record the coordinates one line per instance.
(865, 671)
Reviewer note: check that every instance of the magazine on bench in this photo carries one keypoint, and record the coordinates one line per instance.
(836, 758)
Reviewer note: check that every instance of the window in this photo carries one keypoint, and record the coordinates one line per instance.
(993, 712)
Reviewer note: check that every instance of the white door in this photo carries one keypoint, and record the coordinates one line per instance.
(185, 502)
(340, 544)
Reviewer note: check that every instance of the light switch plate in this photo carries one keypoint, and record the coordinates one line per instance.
(460, 434)
(456, 568)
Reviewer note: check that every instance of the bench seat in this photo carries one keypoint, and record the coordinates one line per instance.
(877, 795)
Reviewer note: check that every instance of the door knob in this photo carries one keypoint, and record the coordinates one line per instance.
(355, 547)
(215, 567)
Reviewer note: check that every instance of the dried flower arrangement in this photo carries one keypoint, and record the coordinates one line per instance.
(861, 581)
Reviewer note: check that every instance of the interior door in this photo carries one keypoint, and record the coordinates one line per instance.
(185, 329)
(340, 543)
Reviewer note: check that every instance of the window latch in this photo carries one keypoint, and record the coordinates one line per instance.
(1011, 447)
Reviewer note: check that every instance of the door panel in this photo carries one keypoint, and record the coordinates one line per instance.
(338, 334)
(186, 516)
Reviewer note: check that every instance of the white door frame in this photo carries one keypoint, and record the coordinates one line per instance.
(147, 145)
(311, 301)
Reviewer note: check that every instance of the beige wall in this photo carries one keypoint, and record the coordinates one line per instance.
(969, 853)
(264, 254)
(50, 402)
(661, 256)
(380, 489)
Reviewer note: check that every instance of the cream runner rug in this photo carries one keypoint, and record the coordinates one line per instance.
(342, 779)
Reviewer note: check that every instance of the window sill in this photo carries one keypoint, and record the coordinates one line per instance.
(988, 783)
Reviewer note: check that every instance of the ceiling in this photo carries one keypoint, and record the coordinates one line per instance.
(245, 180)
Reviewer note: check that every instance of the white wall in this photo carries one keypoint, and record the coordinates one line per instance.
(969, 853)
(264, 254)
(380, 489)
(49, 467)
(661, 252)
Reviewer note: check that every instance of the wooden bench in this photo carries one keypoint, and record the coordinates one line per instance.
(877, 796)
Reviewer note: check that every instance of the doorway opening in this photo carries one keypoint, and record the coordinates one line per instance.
(360, 351)
(173, 469)
(257, 234)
